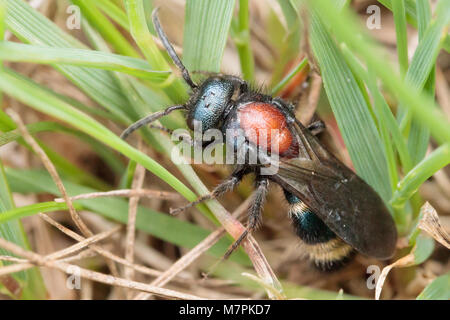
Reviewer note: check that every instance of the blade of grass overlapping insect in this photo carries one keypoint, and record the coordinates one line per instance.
(205, 33)
(385, 119)
(438, 289)
(32, 27)
(351, 111)
(388, 127)
(32, 95)
(160, 225)
(11, 51)
(158, 138)
(421, 74)
(344, 26)
(26, 284)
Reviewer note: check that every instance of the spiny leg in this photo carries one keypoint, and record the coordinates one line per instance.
(149, 119)
(229, 184)
(255, 212)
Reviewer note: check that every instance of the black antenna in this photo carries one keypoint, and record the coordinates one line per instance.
(149, 119)
(170, 49)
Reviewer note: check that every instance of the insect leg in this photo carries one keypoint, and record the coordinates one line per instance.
(149, 119)
(316, 127)
(229, 184)
(254, 219)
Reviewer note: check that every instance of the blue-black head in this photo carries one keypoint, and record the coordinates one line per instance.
(210, 102)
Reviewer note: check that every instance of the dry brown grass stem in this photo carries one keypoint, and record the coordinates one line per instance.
(52, 170)
(193, 254)
(12, 259)
(184, 261)
(141, 193)
(138, 181)
(39, 260)
(55, 176)
(60, 254)
(100, 250)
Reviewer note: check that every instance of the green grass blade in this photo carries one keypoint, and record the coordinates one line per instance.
(423, 16)
(351, 111)
(114, 12)
(398, 8)
(299, 67)
(32, 27)
(438, 289)
(144, 39)
(384, 114)
(410, 9)
(412, 16)
(424, 247)
(106, 28)
(17, 52)
(241, 39)
(421, 73)
(27, 284)
(205, 33)
(32, 209)
(344, 26)
(438, 159)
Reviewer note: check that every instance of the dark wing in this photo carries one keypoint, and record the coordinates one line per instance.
(347, 204)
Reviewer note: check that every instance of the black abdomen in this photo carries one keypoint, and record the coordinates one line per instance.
(321, 245)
